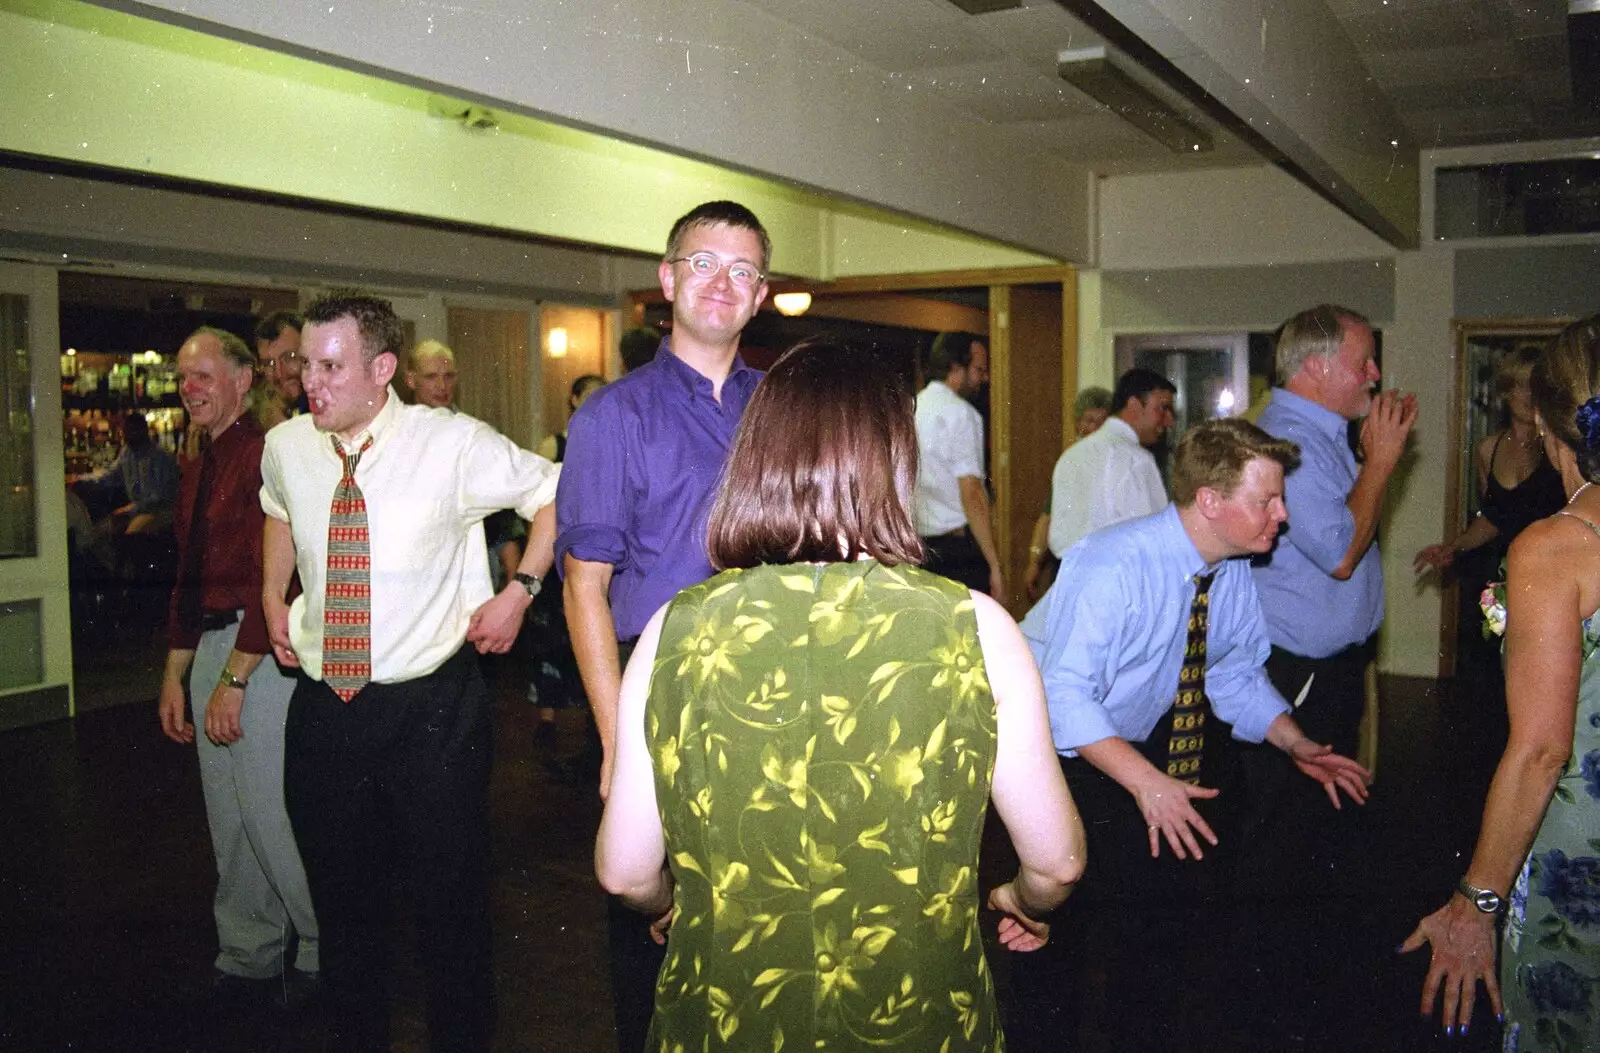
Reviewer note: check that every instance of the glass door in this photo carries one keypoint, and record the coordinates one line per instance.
(35, 620)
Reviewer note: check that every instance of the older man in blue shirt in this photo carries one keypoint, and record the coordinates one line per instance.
(642, 462)
(1151, 645)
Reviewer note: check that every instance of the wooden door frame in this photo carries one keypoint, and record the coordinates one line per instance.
(1463, 330)
(999, 282)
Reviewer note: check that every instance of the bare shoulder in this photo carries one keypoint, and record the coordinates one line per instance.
(1001, 641)
(1560, 546)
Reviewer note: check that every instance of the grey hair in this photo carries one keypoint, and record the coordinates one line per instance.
(1317, 331)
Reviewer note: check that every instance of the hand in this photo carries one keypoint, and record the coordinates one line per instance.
(170, 706)
(1463, 953)
(222, 715)
(493, 627)
(277, 615)
(1164, 801)
(1333, 771)
(1018, 932)
(1388, 425)
(997, 585)
(1434, 557)
(659, 927)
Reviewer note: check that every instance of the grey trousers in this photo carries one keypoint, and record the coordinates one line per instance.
(261, 885)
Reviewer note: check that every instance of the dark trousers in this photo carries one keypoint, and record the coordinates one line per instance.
(1142, 952)
(396, 782)
(635, 957)
(1306, 867)
(1292, 834)
(957, 556)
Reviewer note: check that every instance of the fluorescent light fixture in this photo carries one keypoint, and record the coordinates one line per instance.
(792, 303)
(1094, 72)
(983, 7)
(557, 341)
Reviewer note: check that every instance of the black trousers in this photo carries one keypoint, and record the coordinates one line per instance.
(395, 783)
(635, 957)
(957, 556)
(1142, 953)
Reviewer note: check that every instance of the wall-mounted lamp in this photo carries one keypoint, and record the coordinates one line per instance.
(792, 303)
(557, 341)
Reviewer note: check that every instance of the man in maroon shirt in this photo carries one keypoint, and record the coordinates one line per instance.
(218, 638)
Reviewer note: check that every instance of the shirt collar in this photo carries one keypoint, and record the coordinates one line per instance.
(380, 426)
(1122, 430)
(692, 380)
(1188, 557)
(241, 430)
(1317, 415)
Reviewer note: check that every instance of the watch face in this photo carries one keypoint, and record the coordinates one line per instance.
(1487, 901)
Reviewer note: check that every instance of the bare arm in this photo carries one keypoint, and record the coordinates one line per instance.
(1545, 601)
(594, 644)
(1028, 790)
(1383, 440)
(630, 852)
(226, 704)
(975, 503)
(277, 568)
(493, 627)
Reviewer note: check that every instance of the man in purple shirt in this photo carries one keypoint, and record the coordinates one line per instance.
(643, 458)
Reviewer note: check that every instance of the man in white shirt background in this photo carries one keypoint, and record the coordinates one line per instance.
(951, 505)
(1111, 475)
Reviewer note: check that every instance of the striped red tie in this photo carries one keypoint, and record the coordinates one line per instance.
(347, 601)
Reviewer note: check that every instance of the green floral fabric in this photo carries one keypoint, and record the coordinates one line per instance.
(823, 738)
(1550, 958)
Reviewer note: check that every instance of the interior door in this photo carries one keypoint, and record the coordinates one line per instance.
(35, 619)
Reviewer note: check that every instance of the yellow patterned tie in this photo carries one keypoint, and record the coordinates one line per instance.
(1188, 742)
(347, 598)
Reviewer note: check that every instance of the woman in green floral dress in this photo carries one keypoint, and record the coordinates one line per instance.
(1538, 853)
(807, 744)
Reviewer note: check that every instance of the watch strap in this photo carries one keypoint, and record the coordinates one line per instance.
(227, 679)
(529, 582)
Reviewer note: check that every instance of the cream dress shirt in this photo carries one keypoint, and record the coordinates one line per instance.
(429, 480)
(1101, 480)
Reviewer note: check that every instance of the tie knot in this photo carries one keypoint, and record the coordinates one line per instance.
(1202, 583)
(349, 459)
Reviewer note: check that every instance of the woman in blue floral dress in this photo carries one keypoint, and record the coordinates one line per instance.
(1538, 853)
(810, 739)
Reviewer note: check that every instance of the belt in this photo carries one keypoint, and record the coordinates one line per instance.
(211, 621)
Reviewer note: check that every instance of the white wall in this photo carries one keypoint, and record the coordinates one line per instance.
(1242, 249)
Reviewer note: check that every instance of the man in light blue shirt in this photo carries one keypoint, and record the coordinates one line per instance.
(1111, 642)
(1322, 588)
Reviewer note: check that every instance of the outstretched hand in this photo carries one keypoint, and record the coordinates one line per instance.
(1164, 802)
(1334, 771)
(1462, 938)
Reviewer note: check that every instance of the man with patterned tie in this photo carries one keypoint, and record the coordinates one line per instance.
(1151, 647)
(379, 506)
(218, 639)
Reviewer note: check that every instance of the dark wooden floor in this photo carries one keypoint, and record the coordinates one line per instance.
(106, 877)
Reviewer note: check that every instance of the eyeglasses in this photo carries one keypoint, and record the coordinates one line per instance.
(285, 363)
(707, 266)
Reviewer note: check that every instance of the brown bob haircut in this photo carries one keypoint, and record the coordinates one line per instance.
(1214, 453)
(822, 467)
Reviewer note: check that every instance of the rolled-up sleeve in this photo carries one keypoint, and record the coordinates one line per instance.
(272, 496)
(1237, 650)
(1074, 639)
(591, 513)
(1321, 525)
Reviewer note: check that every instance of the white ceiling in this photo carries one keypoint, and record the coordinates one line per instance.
(1457, 72)
(1001, 68)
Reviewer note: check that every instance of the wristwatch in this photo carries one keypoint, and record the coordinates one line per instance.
(1486, 900)
(227, 679)
(529, 582)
